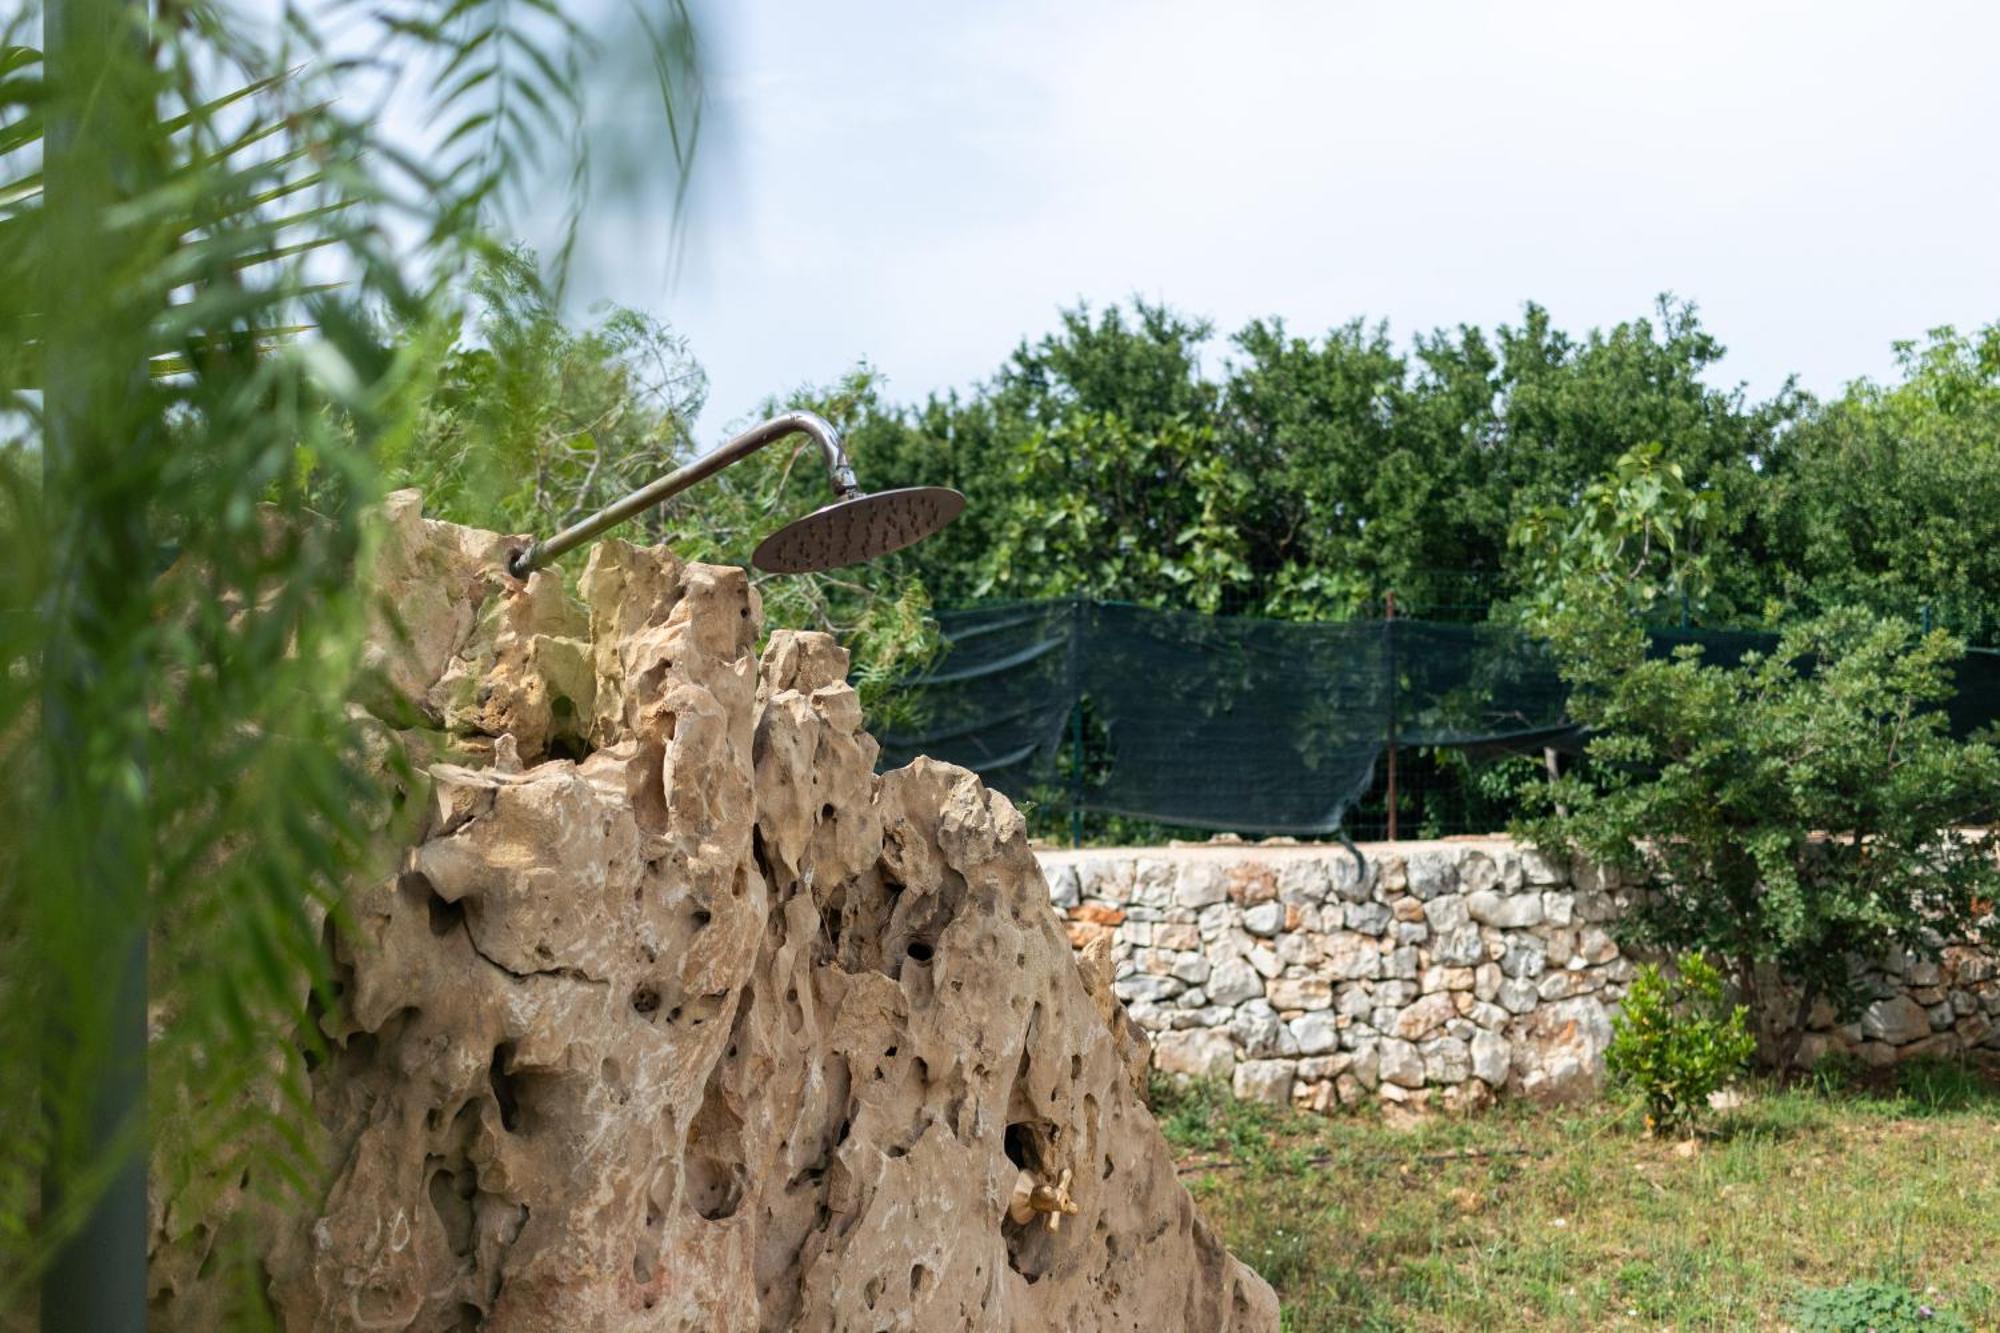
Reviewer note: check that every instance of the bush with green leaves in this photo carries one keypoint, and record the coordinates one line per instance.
(1870, 1307)
(1677, 1039)
(1788, 814)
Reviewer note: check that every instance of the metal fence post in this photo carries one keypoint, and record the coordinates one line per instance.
(1076, 721)
(1389, 632)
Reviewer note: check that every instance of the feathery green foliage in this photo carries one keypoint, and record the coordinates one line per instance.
(200, 232)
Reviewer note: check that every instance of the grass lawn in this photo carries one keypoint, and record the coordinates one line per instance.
(1535, 1218)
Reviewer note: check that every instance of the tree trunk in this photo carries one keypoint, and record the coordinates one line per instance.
(1790, 1040)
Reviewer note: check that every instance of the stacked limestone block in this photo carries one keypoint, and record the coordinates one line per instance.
(1939, 1005)
(1446, 972)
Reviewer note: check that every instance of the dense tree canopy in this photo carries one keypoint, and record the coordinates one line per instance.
(1131, 455)
(1128, 456)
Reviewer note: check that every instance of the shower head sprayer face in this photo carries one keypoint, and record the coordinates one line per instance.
(857, 528)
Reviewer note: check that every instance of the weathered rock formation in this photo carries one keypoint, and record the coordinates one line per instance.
(678, 1016)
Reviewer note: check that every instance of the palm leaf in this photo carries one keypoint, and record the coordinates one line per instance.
(226, 321)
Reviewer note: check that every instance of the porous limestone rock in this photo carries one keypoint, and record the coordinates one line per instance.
(676, 1015)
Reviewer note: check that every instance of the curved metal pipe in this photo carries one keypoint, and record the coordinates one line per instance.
(839, 472)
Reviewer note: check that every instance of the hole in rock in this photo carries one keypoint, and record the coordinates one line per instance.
(644, 1261)
(451, 1199)
(445, 917)
(702, 1008)
(714, 1172)
(649, 792)
(920, 1279)
(1031, 1246)
(568, 747)
(919, 952)
(701, 916)
(1020, 1147)
(506, 1087)
(714, 1187)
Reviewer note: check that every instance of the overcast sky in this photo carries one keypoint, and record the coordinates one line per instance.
(922, 182)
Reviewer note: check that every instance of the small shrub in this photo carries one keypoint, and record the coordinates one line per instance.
(1675, 1041)
(1835, 1073)
(1870, 1307)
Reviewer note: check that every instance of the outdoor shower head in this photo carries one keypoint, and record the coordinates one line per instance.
(855, 527)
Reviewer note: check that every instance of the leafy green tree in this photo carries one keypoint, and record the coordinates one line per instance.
(1143, 368)
(1634, 541)
(1346, 484)
(1346, 468)
(1788, 814)
(1101, 508)
(1885, 496)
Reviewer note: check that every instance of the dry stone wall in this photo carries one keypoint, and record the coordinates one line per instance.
(673, 1014)
(1452, 971)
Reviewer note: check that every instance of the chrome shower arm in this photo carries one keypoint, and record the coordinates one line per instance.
(839, 472)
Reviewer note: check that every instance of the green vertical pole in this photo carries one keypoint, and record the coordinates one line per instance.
(100, 119)
(1076, 722)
